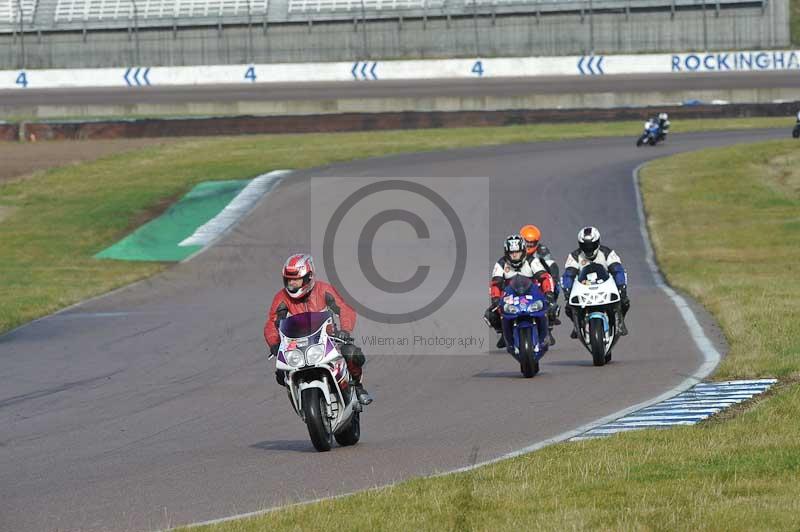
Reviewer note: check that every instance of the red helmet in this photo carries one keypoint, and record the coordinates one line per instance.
(299, 266)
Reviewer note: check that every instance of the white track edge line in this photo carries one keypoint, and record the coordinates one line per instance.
(277, 177)
(711, 358)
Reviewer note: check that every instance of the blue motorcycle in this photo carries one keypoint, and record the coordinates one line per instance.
(524, 312)
(652, 133)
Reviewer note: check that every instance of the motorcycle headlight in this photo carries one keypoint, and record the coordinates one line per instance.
(508, 308)
(315, 354)
(295, 358)
(536, 306)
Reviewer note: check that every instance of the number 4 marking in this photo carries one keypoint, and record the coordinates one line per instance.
(250, 74)
(477, 68)
(22, 80)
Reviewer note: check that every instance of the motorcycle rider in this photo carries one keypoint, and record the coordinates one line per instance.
(663, 123)
(303, 293)
(514, 262)
(590, 251)
(535, 249)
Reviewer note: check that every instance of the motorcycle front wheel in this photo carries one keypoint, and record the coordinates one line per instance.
(597, 341)
(319, 426)
(527, 361)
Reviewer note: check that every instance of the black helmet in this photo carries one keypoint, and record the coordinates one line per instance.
(513, 244)
(589, 241)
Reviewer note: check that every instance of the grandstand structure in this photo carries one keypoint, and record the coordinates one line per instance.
(64, 15)
(92, 33)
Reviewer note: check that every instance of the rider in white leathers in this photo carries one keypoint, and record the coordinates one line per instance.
(590, 251)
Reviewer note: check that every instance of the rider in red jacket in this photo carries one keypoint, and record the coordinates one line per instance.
(302, 293)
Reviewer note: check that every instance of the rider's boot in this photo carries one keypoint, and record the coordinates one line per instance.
(623, 330)
(280, 376)
(551, 340)
(556, 314)
(574, 332)
(501, 343)
(363, 395)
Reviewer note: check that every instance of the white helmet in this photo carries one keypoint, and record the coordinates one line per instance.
(589, 241)
(662, 116)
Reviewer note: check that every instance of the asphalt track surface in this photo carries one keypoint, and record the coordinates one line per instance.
(497, 87)
(155, 406)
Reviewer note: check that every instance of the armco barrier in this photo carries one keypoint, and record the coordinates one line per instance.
(373, 71)
(9, 131)
(181, 127)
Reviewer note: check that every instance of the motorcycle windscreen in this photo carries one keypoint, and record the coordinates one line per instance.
(304, 324)
(520, 285)
(593, 274)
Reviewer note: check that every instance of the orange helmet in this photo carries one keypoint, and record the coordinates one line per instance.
(531, 235)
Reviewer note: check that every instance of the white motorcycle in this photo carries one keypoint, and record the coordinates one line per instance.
(594, 301)
(317, 379)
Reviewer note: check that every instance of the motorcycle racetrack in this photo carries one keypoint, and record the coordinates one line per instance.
(154, 406)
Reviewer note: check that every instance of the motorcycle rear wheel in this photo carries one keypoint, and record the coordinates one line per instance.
(528, 364)
(597, 341)
(319, 426)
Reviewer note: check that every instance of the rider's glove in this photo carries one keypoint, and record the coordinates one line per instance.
(495, 302)
(551, 298)
(623, 293)
(273, 350)
(343, 335)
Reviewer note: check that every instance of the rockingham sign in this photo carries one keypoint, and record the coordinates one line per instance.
(736, 61)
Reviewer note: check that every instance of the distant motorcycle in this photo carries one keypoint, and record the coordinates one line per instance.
(524, 313)
(594, 299)
(796, 130)
(317, 379)
(652, 134)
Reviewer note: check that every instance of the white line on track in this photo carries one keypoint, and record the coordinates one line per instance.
(238, 208)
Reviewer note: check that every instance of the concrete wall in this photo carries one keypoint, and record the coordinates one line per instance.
(368, 122)
(513, 35)
(447, 104)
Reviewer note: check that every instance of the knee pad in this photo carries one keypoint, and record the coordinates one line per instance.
(353, 354)
(492, 318)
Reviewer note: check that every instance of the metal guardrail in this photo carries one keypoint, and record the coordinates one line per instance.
(10, 11)
(105, 10)
(318, 10)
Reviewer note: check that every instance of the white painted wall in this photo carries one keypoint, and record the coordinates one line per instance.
(403, 70)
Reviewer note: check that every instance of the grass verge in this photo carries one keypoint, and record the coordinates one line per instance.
(53, 222)
(726, 227)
